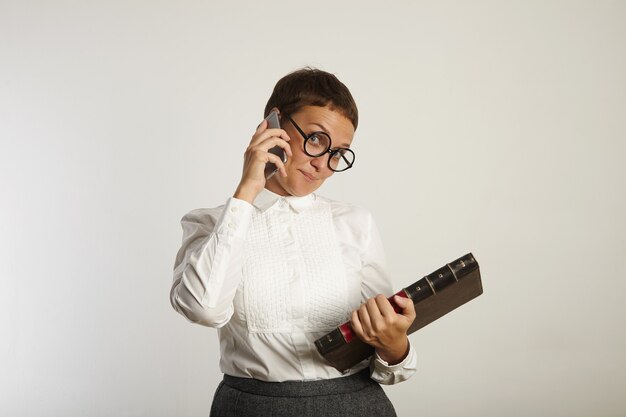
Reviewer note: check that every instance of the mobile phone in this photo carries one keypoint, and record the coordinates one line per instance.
(274, 123)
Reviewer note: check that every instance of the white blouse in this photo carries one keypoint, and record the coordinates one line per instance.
(274, 276)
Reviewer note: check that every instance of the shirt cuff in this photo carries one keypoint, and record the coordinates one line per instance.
(387, 374)
(388, 367)
(235, 219)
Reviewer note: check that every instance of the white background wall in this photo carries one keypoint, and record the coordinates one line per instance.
(486, 126)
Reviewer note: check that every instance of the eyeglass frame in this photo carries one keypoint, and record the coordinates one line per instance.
(328, 150)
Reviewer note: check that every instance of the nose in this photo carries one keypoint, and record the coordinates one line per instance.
(319, 162)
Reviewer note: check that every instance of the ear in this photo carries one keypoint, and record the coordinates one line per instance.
(280, 118)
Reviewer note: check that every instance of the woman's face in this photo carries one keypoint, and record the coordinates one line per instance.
(305, 174)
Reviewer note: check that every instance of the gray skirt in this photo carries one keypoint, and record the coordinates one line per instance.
(354, 395)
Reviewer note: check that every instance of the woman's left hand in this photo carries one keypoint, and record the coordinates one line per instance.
(377, 324)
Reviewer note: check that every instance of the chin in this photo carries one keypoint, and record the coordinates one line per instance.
(301, 194)
(300, 190)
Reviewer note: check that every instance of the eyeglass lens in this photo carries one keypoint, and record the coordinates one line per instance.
(341, 159)
(318, 143)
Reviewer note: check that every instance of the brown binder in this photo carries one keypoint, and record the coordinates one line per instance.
(434, 295)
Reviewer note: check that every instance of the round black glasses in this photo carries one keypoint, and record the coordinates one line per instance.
(318, 143)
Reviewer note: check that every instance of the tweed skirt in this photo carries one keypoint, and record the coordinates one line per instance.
(354, 395)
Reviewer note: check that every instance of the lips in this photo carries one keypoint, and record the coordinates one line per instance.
(308, 176)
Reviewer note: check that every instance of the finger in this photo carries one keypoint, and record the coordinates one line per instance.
(270, 143)
(385, 307)
(257, 158)
(278, 162)
(406, 304)
(285, 146)
(366, 322)
(260, 153)
(263, 135)
(262, 126)
(378, 321)
(279, 133)
(373, 310)
(403, 302)
(356, 325)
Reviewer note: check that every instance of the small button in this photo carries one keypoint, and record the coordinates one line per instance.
(234, 209)
(231, 225)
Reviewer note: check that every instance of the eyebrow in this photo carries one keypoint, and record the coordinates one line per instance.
(325, 130)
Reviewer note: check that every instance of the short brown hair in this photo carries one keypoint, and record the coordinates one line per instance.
(312, 87)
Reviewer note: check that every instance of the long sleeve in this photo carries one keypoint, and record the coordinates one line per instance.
(273, 276)
(377, 281)
(207, 269)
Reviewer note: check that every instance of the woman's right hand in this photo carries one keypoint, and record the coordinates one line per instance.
(257, 156)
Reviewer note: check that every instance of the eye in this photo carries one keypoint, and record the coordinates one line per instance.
(315, 139)
(338, 154)
(317, 143)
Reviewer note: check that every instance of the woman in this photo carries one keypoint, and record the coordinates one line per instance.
(277, 266)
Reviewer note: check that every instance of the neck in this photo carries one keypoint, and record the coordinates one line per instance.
(273, 186)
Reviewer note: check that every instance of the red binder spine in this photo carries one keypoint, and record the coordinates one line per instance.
(346, 329)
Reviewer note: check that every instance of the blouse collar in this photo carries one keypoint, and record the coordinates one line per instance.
(267, 199)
